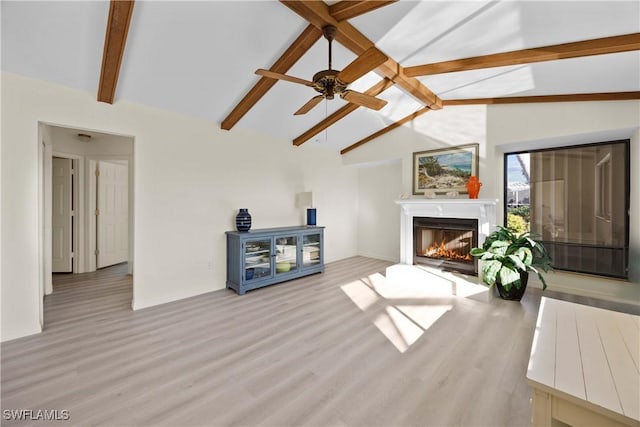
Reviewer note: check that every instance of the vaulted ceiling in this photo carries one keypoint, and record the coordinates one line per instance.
(199, 58)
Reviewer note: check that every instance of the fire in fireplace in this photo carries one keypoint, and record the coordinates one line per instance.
(446, 243)
(460, 253)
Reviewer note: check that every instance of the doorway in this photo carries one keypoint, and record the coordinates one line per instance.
(87, 219)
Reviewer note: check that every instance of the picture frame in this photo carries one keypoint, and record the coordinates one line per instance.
(445, 170)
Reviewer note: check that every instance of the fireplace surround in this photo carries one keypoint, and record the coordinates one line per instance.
(482, 210)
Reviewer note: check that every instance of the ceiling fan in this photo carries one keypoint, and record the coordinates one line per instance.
(334, 82)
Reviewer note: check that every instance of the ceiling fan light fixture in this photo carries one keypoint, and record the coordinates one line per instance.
(329, 92)
(84, 137)
(327, 83)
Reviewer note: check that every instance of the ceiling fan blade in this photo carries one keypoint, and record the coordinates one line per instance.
(363, 99)
(309, 105)
(360, 66)
(279, 76)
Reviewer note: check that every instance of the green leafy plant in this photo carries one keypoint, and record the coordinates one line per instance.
(506, 254)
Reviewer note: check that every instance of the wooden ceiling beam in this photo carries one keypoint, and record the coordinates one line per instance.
(389, 128)
(317, 13)
(299, 47)
(611, 96)
(347, 109)
(602, 46)
(120, 12)
(348, 9)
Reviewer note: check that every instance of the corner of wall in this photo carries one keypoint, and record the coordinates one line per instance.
(24, 331)
(634, 209)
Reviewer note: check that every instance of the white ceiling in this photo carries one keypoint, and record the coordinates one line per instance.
(199, 57)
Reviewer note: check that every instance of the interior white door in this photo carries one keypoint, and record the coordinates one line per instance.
(113, 214)
(62, 214)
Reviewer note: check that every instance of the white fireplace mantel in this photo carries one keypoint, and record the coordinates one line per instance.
(484, 210)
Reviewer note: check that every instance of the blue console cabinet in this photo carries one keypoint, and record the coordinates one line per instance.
(258, 258)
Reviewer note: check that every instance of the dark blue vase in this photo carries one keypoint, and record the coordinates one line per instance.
(311, 216)
(243, 220)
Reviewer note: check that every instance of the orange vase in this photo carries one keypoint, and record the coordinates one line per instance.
(473, 187)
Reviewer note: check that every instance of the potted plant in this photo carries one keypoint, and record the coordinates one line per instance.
(507, 259)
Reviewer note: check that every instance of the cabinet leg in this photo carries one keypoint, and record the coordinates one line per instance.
(541, 408)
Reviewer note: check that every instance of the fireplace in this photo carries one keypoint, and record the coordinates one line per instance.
(446, 243)
(481, 211)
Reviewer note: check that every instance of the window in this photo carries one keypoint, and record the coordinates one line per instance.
(576, 199)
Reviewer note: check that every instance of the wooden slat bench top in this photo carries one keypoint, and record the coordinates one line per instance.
(585, 365)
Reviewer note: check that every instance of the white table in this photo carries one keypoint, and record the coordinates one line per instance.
(585, 366)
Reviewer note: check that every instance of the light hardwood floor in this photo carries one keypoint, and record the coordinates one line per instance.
(298, 353)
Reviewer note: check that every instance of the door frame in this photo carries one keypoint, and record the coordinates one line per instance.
(45, 208)
(78, 209)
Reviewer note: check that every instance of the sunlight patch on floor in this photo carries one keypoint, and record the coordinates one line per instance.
(411, 279)
(402, 313)
(361, 294)
(406, 286)
(424, 316)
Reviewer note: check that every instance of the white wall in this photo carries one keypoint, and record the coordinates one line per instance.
(378, 216)
(190, 179)
(435, 129)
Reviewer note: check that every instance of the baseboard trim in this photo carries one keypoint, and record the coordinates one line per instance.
(21, 334)
(135, 305)
(380, 257)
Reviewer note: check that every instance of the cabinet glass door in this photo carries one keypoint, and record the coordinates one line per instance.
(257, 259)
(286, 260)
(310, 250)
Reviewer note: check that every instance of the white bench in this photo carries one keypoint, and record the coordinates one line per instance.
(585, 366)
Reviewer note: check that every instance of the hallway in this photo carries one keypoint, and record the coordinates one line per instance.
(88, 297)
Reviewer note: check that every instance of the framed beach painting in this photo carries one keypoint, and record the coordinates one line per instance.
(445, 170)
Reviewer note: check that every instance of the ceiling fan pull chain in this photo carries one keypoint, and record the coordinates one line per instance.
(326, 114)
